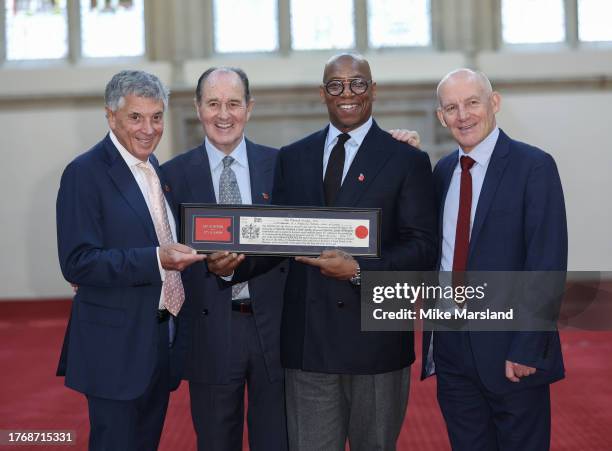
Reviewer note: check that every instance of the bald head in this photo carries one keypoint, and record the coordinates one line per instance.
(349, 103)
(358, 62)
(468, 106)
(465, 75)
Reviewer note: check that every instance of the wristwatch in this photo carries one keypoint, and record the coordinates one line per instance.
(356, 279)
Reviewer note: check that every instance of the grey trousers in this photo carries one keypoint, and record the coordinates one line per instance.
(323, 410)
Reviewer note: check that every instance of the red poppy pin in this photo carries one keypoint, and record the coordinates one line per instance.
(361, 177)
(266, 196)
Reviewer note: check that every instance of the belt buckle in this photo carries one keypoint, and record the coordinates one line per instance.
(162, 315)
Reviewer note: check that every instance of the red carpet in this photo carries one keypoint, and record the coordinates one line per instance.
(33, 398)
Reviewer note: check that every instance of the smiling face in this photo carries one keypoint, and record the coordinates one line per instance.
(138, 124)
(348, 110)
(467, 107)
(223, 110)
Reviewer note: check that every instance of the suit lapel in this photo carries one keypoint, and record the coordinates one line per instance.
(312, 169)
(445, 176)
(258, 174)
(126, 184)
(165, 189)
(198, 177)
(370, 158)
(494, 174)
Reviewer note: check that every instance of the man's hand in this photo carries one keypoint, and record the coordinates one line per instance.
(406, 136)
(335, 263)
(514, 371)
(224, 263)
(176, 256)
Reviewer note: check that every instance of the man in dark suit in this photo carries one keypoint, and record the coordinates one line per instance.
(341, 381)
(236, 332)
(493, 387)
(116, 241)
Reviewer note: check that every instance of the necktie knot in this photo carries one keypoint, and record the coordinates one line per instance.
(466, 163)
(144, 165)
(227, 161)
(342, 138)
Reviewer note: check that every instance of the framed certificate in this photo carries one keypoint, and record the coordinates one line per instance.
(276, 230)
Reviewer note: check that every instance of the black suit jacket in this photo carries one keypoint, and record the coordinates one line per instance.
(321, 328)
(208, 301)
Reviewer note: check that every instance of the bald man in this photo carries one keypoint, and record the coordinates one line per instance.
(493, 387)
(341, 382)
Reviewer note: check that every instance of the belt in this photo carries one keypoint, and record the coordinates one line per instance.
(163, 315)
(242, 306)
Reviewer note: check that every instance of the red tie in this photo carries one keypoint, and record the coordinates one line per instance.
(462, 234)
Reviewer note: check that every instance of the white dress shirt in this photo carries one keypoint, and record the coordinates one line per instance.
(132, 163)
(351, 146)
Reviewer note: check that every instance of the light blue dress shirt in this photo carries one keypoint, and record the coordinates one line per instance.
(481, 154)
(241, 169)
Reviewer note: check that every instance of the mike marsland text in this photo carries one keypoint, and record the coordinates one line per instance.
(436, 314)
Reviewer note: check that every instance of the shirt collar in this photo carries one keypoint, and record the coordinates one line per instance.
(216, 156)
(481, 154)
(357, 135)
(129, 159)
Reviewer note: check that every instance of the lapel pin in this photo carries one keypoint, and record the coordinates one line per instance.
(166, 188)
(361, 177)
(266, 196)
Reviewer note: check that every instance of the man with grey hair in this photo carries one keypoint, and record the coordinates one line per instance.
(501, 209)
(117, 242)
(235, 342)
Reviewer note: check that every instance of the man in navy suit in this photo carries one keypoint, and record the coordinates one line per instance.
(236, 332)
(493, 387)
(116, 241)
(342, 382)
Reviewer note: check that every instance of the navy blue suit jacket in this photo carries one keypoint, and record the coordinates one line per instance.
(519, 225)
(209, 302)
(107, 246)
(321, 327)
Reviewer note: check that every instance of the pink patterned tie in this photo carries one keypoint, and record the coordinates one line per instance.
(172, 290)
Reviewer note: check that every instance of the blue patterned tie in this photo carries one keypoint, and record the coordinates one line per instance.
(229, 193)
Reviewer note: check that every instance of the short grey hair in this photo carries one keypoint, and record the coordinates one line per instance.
(482, 79)
(135, 82)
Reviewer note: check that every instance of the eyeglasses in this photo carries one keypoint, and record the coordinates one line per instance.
(357, 86)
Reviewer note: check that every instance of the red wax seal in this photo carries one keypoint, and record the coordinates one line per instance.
(361, 232)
